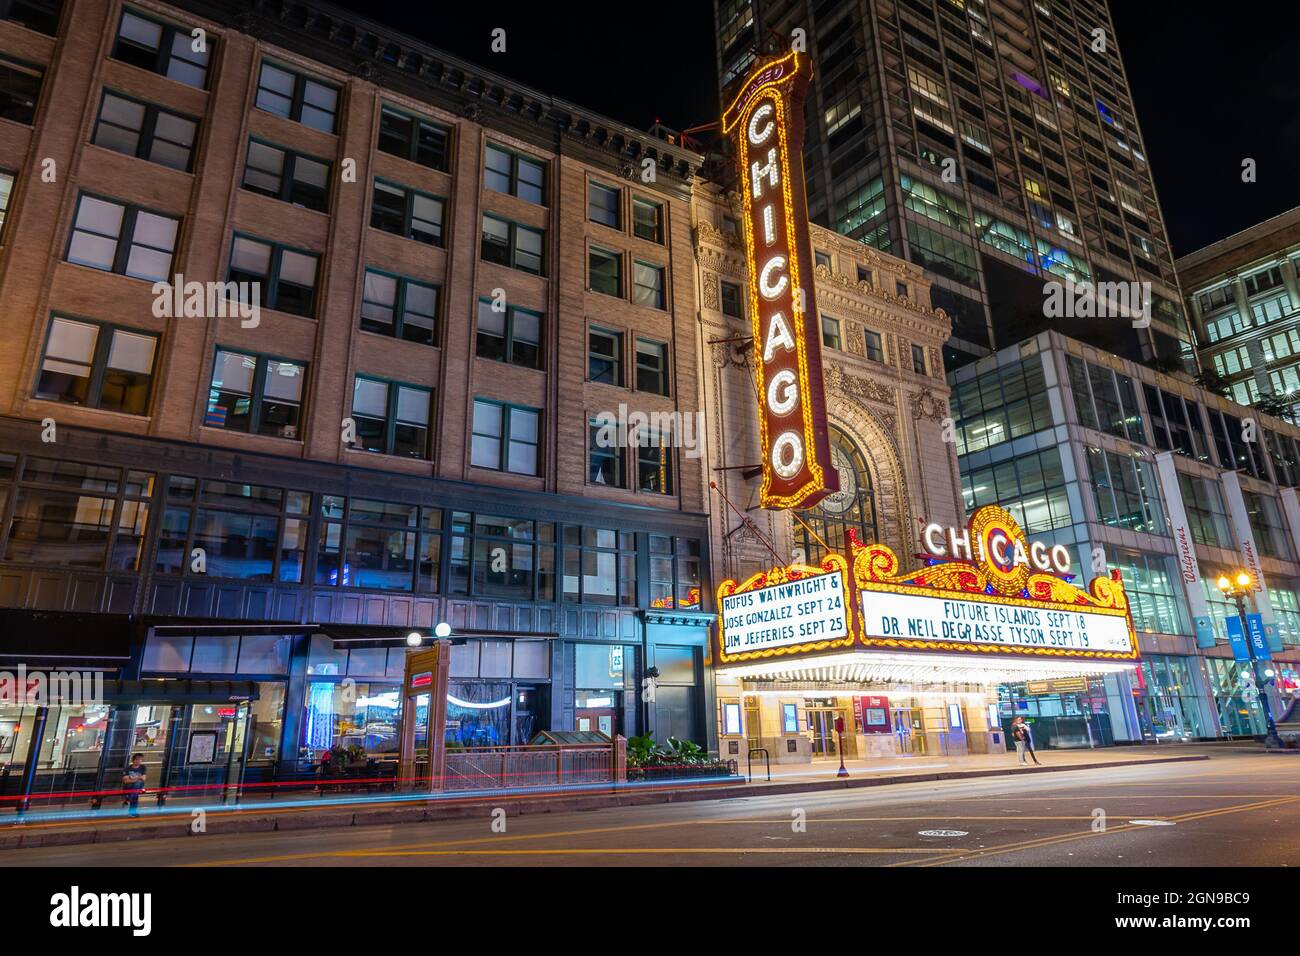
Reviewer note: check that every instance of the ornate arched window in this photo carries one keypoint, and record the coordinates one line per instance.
(853, 506)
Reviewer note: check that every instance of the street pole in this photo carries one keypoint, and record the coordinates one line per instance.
(839, 733)
(1271, 740)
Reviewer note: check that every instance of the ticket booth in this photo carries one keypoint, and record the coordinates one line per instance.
(424, 717)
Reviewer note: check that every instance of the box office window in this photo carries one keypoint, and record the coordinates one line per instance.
(509, 334)
(20, 91)
(599, 566)
(256, 394)
(170, 51)
(141, 129)
(70, 514)
(413, 138)
(286, 175)
(231, 530)
(506, 437)
(297, 97)
(122, 238)
(277, 276)
(500, 556)
(406, 212)
(400, 307)
(387, 546)
(100, 366)
(391, 418)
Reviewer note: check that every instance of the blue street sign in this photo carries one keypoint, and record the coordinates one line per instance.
(1204, 630)
(1257, 640)
(1237, 637)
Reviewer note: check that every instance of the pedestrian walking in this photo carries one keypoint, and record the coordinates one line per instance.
(1024, 738)
(133, 784)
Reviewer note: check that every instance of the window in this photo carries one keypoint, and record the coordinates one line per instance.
(6, 194)
(507, 172)
(651, 367)
(1031, 486)
(1105, 399)
(282, 278)
(502, 557)
(606, 269)
(510, 244)
(255, 394)
(831, 332)
(822, 259)
(731, 302)
(505, 437)
(604, 454)
(599, 566)
(864, 275)
(288, 176)
(654, 462)
(1127, 493)
(648, 284)
(383, 545)
(602, 205)
(400, 307)
(900, 288)
(146, 131)
(297, 97)
(1272, 537)
(74, 515)
(39, 15)
(875, 350)
(605, 356)
(160, 48)
(407, 213)
(648, 220)
(918, 360)
(247, 532)
(391, 418)
(674, 572)
(96, 365)
(20, 91)
(128, 240)
(1155, 597)
(413, 138)
(1206, 516)
(1000, 406)
(511, 335)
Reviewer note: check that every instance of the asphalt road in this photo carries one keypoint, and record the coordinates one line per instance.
(1239, 808)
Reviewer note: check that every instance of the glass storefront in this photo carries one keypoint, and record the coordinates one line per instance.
(1059, 718)
(1237, 716)
(1168, 707)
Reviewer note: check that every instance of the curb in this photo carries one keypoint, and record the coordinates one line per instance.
(12, 838)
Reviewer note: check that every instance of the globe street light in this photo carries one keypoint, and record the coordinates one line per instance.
(1236, 590)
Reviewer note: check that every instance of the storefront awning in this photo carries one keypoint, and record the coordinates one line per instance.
(883, 667)
(167, 692)
(65, 638)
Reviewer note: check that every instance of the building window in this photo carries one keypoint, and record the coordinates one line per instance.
(505, 437)
(501, 557)
(149, 132)
(382, 545)
(255, 394)
(830, 332)
(918, 360)
(599, 566)
(606, 271)
(864, 275)
(1207, 518)
(822, 259)
(20, 91)
(654, 462)
(163, 49)
(1272, 537)
(604, 356)
(648, 220)
(731, 300)
(602, 205)
(511, 335)
(117, 237)
(1155, 599)
(73, 515)
(410, 137)
(407, 213)
(1001, 406)
(282, 278)
(852, 507)
(507, 172)
(1031, 486)
(1105, 399)
(399, 307)
(648, 284)
(297, 97)
(510, 244)
(391, 418)
(674, 572)
(1127, 493)
(97, 365)
(6, 195)
(651, 367)
(288, 176)
(875, 348)
(39, 15)
(605, 455)
(901, 289)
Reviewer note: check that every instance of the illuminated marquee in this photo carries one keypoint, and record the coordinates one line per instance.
(766, 120)
(997, 603)
(792, 610)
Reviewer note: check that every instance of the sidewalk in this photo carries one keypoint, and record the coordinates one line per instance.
(305, 811)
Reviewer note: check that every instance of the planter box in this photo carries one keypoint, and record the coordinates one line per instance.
(685, 771)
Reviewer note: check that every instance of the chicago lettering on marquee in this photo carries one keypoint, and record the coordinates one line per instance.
(766, 122)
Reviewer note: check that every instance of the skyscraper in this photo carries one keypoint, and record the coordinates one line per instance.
(992, 142)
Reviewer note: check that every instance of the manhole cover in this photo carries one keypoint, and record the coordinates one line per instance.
(943, 833)
(1152, 823)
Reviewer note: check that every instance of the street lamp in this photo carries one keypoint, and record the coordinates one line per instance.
(1236, 589)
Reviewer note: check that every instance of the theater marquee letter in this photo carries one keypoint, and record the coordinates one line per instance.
(766, 123)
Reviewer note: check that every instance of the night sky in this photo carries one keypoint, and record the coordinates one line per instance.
(1213, 83)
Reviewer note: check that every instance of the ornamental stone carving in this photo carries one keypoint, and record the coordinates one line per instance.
(926, 406)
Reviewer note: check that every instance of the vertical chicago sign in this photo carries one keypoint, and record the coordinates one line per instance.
(766, 122)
